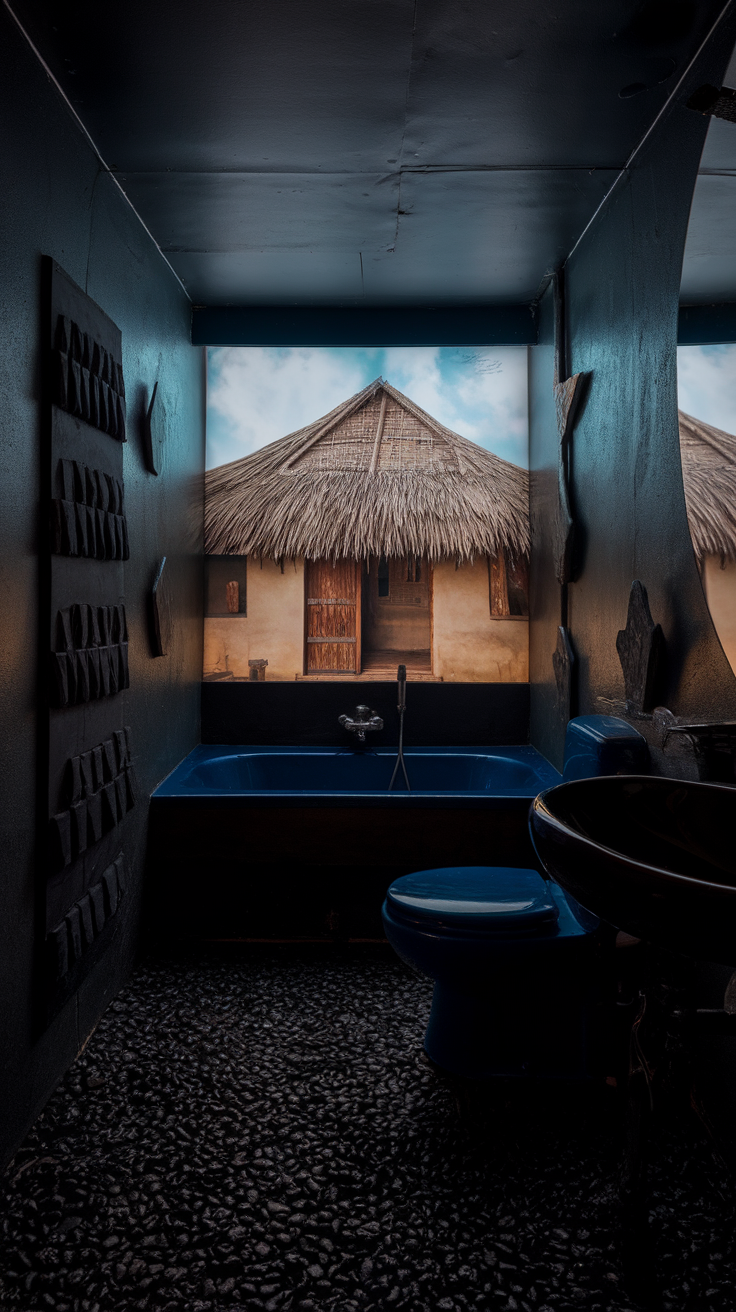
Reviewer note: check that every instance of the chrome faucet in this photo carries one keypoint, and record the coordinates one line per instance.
(362, 722)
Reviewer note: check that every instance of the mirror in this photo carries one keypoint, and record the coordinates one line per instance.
(707, 376)
(707, 415)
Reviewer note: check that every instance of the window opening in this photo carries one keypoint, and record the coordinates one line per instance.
(509, 587)
(518, 588)
(440, 489)
(225, 585)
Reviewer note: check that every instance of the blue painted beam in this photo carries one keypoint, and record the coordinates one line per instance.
(701, 325)
(270, 325)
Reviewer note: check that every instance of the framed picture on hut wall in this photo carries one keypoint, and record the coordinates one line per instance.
(369, 487)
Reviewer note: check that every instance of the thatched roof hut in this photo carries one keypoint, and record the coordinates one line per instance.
(376, 476)
(709, 475)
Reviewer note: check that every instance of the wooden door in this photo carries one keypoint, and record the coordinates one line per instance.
(333, 617)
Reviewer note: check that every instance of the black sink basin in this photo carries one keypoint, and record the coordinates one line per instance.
(654, 857)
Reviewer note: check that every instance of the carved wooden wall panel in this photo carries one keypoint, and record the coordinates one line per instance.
(90, 783)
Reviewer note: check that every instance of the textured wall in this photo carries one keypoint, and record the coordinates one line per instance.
(719, 581)
(468, 644)
(58, 202)
(623, 283)
(272, 630)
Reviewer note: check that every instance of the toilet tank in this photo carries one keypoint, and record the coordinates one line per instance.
(603, 744)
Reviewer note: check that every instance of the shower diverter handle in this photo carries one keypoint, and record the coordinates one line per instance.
(362, 721)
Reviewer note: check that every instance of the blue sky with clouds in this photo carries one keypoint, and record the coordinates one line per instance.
(258, 394)
(706, 384)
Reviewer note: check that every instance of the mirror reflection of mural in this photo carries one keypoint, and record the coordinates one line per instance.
(707, 399)
(367, 508)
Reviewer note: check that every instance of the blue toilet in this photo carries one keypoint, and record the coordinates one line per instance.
(516, 962)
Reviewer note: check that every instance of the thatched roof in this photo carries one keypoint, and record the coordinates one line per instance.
(709, 475)
(376, 476)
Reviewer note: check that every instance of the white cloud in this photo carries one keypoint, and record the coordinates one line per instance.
(415, 372)
(706, 384)
(258, 395)
(498, 400)
(481, 394)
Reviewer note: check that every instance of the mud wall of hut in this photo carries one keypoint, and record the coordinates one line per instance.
(469, 646)
(719, 582)
(272, 628)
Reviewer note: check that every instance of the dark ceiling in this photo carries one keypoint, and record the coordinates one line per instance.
(385, 152)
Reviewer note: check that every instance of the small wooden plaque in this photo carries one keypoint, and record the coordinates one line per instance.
(161, 612)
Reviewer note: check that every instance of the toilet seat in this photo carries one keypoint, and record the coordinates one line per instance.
(490, 901)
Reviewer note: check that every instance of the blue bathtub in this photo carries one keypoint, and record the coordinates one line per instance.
(342, 775)
(302, 842)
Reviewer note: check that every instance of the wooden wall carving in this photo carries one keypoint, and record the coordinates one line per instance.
(161, 611)
(563, 664)
(568, 395)
(91, 655)
(88, 374)
(152, 429)
(640, 648)
(89, 788)
(86, 919)
(88, 517)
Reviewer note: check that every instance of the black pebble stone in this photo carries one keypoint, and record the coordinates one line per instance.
(261, 1130)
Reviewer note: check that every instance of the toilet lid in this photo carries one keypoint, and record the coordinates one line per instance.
(497, 900)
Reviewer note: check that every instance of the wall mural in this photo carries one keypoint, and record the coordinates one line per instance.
(707, 399)
(367, 508)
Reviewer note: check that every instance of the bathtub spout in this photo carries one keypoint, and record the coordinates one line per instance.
(363, 721)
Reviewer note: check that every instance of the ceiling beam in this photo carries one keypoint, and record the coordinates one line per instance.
(703, 325)
(270, 325)
(498, 325)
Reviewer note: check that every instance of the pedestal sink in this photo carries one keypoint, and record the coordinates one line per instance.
(654, 857)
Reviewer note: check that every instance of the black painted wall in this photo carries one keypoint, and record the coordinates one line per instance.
(437, 714)
(622, 285)
(622, 288)
(546, 731)
(57, 201)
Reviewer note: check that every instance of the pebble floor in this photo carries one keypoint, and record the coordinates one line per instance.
(262, 1131)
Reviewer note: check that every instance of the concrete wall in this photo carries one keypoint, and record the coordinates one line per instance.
(720, 592)
(58, 201)
(467, 645)
(272, 630)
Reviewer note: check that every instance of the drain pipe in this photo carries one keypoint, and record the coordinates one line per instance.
(401, 677)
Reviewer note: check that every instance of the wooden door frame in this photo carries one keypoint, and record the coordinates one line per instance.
(365, 569)
(430, 581)
(358, 618)
(305, 653)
